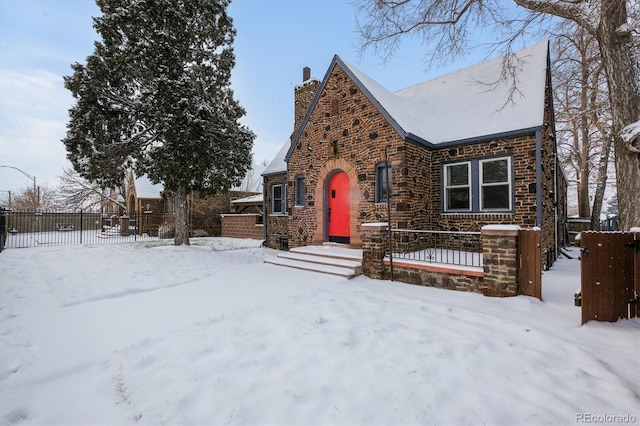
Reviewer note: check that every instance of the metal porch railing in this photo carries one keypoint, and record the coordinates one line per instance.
(448, 247)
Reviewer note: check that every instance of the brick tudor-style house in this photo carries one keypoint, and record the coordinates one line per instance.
(465, 150)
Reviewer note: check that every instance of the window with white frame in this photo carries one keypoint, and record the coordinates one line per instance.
(478, 185)
(279, 199)
(495, 184)
(458, 186)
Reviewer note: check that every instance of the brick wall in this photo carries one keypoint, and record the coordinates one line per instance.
(374, 241)
(241, 226)
(303, 96)
(500, 254)
(498, 276)
(276, 224)
(549, 198)
(345, 131)
(523, 151)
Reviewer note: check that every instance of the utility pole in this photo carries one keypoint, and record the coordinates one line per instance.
(36, 193)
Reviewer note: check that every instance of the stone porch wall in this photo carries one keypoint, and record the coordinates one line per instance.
(498, 277)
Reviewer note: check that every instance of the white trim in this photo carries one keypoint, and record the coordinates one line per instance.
(508, 183)
(446, 187)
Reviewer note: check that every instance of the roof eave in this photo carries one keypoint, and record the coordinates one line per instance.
(282, 172)
(476, 139)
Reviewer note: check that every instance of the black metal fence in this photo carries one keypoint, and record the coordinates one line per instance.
(455, 248)
(31, 228)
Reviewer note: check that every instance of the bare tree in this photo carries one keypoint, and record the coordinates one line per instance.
(29, 198)
(583, 115)
(76, 192)
(447, 27)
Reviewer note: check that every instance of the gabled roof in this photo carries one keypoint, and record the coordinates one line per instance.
(278, 164)
(146, 189)
(252, 199)
(468, 105)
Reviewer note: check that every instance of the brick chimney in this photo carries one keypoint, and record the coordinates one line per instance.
(303, 96)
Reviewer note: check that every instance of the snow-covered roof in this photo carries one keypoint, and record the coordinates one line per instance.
(469, 104)
(146, 189)
(248, 200)
(278, 164)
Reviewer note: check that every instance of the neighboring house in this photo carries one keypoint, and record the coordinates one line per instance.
(453, 153)
(248, 205)
(144, 196)
(245, 219)
(147, 203)
(112, 203)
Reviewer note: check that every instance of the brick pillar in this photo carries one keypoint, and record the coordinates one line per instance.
(500, 259)
(374, 242)
(124, 226)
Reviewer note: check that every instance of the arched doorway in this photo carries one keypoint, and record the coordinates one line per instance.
(338, 208)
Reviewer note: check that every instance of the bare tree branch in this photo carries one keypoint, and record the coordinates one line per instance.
(579, 11)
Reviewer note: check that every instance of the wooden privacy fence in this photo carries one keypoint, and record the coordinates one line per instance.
(530, 263)
(609, 275)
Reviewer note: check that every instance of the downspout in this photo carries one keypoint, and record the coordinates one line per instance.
(389, 192)
(538, 178)
(553, 136)
(555, 197)
(264, 213)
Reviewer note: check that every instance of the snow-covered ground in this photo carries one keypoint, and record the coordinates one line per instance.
(146, 333)
(88, 236)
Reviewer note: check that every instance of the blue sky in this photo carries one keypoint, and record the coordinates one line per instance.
(39, 39)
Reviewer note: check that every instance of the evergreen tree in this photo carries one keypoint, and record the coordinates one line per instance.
(155, 95)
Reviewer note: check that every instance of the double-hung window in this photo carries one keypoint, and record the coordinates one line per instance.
(279, 199)
(478, 185)
(384, 180)
(495, 184)
(458, 186)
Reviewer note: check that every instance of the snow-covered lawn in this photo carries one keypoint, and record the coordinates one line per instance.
(147, 333)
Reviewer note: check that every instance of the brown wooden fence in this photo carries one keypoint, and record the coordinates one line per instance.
(530, 263)
(609, 267)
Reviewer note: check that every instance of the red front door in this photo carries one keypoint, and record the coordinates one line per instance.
(338, 214)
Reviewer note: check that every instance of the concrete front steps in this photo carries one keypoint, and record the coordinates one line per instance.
(326, 259)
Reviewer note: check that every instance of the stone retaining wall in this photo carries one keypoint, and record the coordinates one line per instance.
(497, 277)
